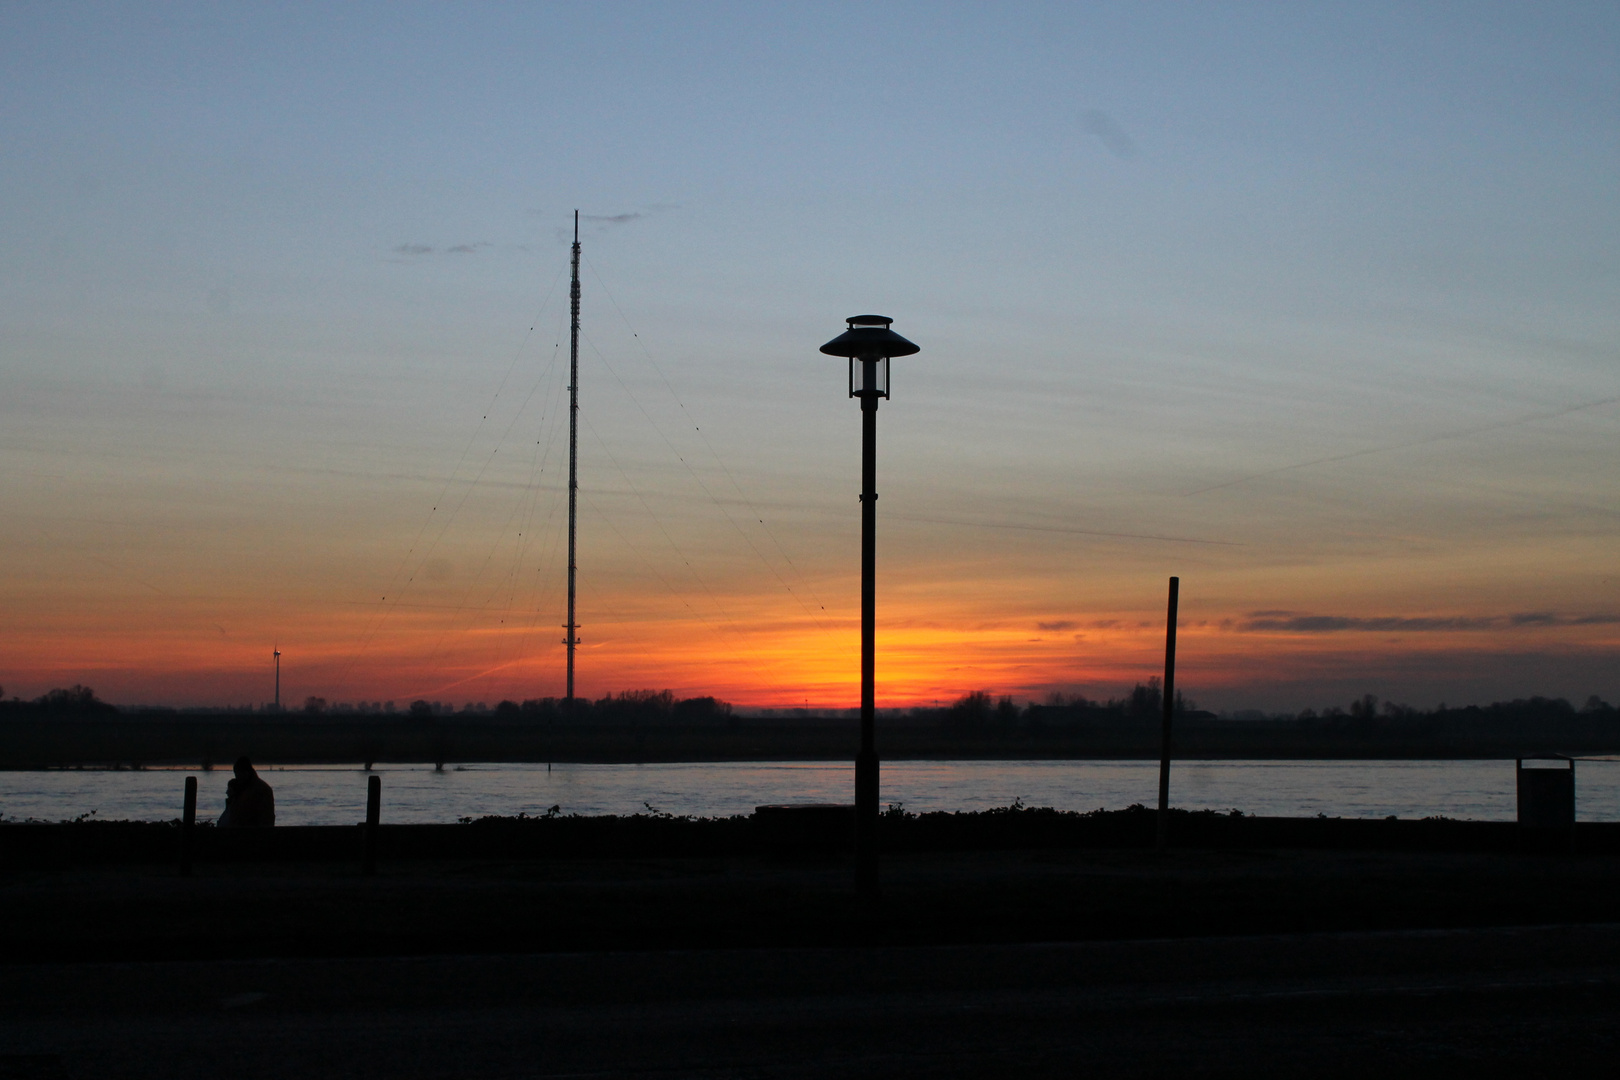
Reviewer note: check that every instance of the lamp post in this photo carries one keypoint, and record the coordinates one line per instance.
(869, 344)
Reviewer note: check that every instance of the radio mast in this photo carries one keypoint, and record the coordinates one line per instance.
(572, 640)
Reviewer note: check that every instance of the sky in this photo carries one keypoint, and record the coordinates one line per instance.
(1312, 305)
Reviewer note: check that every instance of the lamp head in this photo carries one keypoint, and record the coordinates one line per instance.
(869, 335)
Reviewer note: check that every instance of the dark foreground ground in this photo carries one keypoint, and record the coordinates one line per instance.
(90, 912)
(1533, 1001)
(972, 963)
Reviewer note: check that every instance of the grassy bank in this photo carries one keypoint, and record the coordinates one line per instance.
(580, 837)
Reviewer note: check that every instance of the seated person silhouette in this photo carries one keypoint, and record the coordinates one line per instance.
(249, 802)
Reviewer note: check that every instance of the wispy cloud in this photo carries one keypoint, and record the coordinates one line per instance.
(1062, 529)
(1110, 134)
(418, 250)
(1460, 433)
(604, 222)
(1060, 624)
(613, 221)
(1288, 622)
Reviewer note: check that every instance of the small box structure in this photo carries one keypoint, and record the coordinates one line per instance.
(1546, 793)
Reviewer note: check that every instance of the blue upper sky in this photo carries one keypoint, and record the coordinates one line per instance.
(1333, 284)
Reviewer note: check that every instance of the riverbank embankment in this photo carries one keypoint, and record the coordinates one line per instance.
(825, 832)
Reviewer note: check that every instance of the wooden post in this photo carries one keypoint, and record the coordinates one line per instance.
(373, 812)
(1169, 711)
(188, 825)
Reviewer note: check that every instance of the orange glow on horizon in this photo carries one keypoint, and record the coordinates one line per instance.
(354, 655)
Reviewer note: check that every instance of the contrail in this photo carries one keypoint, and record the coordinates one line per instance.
(1061, 529)
(468, 679)
(1442, 437)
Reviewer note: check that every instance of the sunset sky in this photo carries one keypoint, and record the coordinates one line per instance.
(1314, 305)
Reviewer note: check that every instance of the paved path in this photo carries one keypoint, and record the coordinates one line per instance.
(1539, 1000)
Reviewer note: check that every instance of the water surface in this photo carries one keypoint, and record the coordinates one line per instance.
(329, 795)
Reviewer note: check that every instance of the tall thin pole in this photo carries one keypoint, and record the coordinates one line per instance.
(1169, 711)
(866, 762)
(277, 657)
(572, 639)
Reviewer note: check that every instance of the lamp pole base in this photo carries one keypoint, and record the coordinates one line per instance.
(866, 822)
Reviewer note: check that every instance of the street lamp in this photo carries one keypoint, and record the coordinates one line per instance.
(871, 343)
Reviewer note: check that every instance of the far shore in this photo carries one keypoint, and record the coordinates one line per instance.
(209, 739)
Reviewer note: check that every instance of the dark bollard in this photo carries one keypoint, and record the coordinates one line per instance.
(188, 825)
(373, 812)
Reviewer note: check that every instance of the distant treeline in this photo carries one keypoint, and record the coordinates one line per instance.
(977, 711)
(625, 706)
(75, 700)
(1365, 714)
(71, 727)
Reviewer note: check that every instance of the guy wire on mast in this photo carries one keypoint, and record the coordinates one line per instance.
(572, 640)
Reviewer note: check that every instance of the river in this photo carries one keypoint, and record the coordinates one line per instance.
(330, 795)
